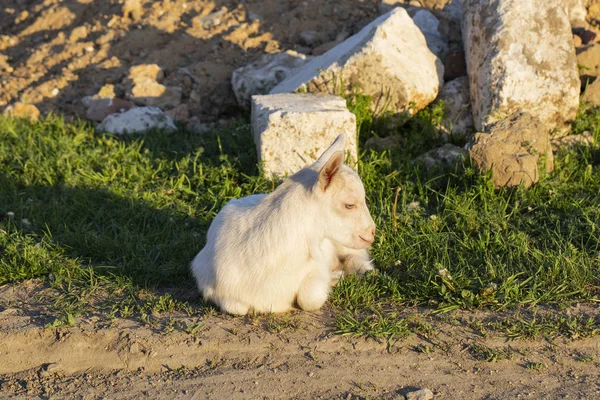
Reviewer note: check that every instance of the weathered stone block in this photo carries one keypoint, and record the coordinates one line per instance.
(520, 57)
(290, 130)
(388, 60)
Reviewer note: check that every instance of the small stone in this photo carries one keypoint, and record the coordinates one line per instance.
(310, 38)
(100, 108)
(148, 92)
(423, 394)
(132, 9)
(21, 110)
(448, 154)
(252, 16)
(106, 38)
(515, 149)
(194, 125)
(584, 139)
(137, 120)
(151, 71)
(134, 348)
(264, 74)
(195, 96)
(106, 92)
(54, 92)
(577, 41)
(89, 49)
(49, 369)
(212, 19)
(384, 143)
(455, 65)
(187, 81)
(587, 36)
(181, 113)
(458, 117)
(78, 33)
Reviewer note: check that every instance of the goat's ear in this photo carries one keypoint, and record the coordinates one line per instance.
(330, 169)
(338, 145)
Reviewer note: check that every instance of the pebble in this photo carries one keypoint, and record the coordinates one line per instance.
(423, 394)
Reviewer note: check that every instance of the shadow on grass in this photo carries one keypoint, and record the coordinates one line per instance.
(116, 211)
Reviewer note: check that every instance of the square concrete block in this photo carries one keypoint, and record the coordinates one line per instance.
(292, 130)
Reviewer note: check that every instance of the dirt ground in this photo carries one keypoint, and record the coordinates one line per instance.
(260, 357)
(55, 52)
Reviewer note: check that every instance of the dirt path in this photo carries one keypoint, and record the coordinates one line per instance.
(225, 357)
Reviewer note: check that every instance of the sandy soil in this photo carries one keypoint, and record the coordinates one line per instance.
(260, 357)
(53, 53)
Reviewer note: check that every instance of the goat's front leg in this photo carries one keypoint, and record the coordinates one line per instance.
(355, 261)
(314, 289)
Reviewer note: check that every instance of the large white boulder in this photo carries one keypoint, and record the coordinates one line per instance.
(137, 120)
(430, 26)
(520, 58)
(388, 60)
(290, 130)
(264, 74)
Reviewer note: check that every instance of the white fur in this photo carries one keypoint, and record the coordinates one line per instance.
(266, 252)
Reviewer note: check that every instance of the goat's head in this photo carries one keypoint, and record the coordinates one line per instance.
(340, 191)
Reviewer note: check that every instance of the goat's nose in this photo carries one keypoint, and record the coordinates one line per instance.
(373, 230)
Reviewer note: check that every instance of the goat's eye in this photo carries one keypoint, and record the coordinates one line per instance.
(350, 206)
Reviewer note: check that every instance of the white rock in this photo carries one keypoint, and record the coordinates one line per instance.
(289, 129)
(388, 60)
(458, 118)
(423, 394)
(448, 154)
(520, 57)
(569, 141)
(137, 120)
(263, 75)
(577, 12)
(429, 25)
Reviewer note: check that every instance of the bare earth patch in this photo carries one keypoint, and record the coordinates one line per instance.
(53, 53)
(290, 356)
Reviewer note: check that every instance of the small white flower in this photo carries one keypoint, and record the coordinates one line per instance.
(433, 217)
(445, 274)
(10, 214)
(413, 206)
(26, 222)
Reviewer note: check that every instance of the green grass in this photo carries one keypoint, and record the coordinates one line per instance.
(111, 224)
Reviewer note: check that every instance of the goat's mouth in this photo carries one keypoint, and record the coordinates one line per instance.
(365, 240)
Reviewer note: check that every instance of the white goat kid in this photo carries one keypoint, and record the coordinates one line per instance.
(267, 252)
